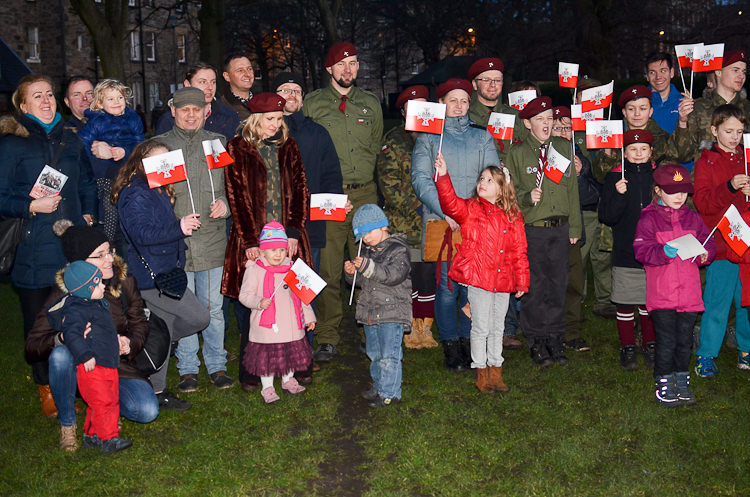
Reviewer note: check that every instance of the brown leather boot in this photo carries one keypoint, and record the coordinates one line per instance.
(49, 408)
(412, 341)
(482, 380)
(68, 439)
(425, 334)
(496, 379)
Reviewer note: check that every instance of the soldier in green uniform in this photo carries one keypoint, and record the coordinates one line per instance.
(486, 76)
(402, 208)
(553, 221)
(693, 132)
(354, 119)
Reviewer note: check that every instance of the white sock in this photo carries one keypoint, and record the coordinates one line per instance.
(266, 381)
(287, 377)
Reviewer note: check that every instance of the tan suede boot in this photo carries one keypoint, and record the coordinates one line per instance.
(426, 339)
(496, 379)
(411, 341)
(68, 438)
(49, 408)
(482, 382)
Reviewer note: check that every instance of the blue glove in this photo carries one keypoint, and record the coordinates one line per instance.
(670, 251)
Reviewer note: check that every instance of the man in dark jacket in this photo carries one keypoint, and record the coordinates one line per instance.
(79, 93)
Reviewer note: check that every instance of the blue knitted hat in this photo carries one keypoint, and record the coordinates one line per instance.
(367, 218)
(81, 278)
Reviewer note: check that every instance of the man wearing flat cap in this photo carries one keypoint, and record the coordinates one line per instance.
(354, 119)
(204, 259)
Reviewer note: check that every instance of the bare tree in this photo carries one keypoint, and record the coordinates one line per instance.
(108, 28)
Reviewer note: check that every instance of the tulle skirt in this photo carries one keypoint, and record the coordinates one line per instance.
(277, 359)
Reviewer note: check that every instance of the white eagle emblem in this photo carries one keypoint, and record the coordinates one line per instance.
(166, 168)
(426, 116)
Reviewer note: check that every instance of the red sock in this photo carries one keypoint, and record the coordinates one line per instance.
(647, 326)
(626, 324)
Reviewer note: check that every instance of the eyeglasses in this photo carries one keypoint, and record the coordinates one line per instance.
(564, 129)
(112, 252)
(489, 81)
(290, 92)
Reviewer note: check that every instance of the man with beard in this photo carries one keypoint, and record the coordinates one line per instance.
(354, 120)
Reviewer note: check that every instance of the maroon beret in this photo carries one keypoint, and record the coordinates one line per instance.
(560, 112)
(486, 64)
(733, 56)
(339, 51)
(637, 91)
(454, 84)
(536, 106)
(637, 136)
(411, 93)
(673, 178)
(266, 102)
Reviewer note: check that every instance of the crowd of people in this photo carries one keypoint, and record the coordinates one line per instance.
(460, 229)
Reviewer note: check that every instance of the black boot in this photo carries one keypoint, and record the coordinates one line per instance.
(452, 352)
(540, 354)
(465, 346)
(556, 346)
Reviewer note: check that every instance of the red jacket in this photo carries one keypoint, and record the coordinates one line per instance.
(492, 253)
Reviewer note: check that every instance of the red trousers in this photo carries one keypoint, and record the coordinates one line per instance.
(100, 389)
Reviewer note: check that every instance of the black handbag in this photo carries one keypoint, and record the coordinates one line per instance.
(155, 351)
(11, 229)
(172, 283)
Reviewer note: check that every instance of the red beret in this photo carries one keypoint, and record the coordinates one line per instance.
(560, 112)
(733, 56)
(266, 102)
(339, 51)
(637, 136)
(411, 93)
(673, 178)
(486, 64)
(637, 91)
(454, 84)
(536, 106)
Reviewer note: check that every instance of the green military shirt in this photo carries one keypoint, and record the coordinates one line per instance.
(357, 134)
(692, 140)
(557, 200)
(480, 114)
(394, 179)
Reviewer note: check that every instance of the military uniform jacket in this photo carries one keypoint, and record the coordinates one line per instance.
(394, 179)
(557, 200)
(356, 134)
(480, 114)
(697, 136)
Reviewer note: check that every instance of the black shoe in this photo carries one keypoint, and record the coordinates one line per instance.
(167, 401)
(221, 380)
(188, 383)
(556, 349)
(540, 355)
(383, 402)
(452, 352)
(578, 344)
(628, 358)
(648, 354)
(92, 442)
(464, 345)
(325, 352)
(115, 444)
(370, 394)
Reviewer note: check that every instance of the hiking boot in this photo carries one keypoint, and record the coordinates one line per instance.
(412, 339)
(540, 355)
(482, 381)
(464, 345)
(649, 352)
(49, 408)
(743, 360)
(511, 342)
(221, 380)
(578, 344)
(684, 395)
(705, 367)
(168, 401)
(370, 394)
(453, 360)
(91, 442)
(68, 439)
(383, 402)
(188, 383)
(557, 350)
(496, 379)
(628, 358)
(115, 444)
(325, 352)
(666, 391)
(425, 334)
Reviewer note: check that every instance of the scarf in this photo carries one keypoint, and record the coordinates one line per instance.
(268, 316)
(47, 127)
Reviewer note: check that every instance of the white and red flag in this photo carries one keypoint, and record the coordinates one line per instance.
(328, 207)
(501, 125)
(746, 143)
(165, 169)
(685, 54)
(216, 154)
(519, 99)
(304, 282)
(579, 118)
(425, 117)
(604, 134)
(557, 164)
(567, 74)
(597, 97)
(708, 58)
(735, 230)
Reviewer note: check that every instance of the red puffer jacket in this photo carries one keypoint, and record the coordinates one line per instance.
(492, 253)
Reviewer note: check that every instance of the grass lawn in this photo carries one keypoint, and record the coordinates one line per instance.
(587, 428)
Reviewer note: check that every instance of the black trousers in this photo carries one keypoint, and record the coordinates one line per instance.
(32, 302)
(674, 339)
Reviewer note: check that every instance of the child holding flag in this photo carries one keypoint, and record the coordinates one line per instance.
(721, 180)
(278, 318)
(673, 294)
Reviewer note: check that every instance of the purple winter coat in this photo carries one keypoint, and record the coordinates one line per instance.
(670, 283)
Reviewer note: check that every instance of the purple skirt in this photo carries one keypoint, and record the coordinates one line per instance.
(277, 359)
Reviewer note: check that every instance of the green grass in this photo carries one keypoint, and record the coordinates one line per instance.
(584, 429)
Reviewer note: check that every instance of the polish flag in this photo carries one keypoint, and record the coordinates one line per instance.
(603, 134)
(328, 207)
(746, 142)
(736, 232)
(708, 58)
(304, 282)
(425, 117)
(579, 118)
(216, 154)
(567, 74)
(501, 125)
(685, 54)
(519, 99)
(597, 97)
(557, 164)
(164, 169)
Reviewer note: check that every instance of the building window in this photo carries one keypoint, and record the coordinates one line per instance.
(137, 93)
(181, 41)
(32, 38)
(135, 46)
(131, 3)
(79, 42)
(149, 49)
(153, 95)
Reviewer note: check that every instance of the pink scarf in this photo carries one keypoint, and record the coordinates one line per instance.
(268, 316)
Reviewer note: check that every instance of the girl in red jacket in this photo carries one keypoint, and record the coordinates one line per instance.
(491, 261)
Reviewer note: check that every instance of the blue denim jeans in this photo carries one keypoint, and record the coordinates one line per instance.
(207, 287)
(138, 401)
(451, 321)
(384, 350)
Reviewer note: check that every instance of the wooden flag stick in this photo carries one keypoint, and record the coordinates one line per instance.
(609, 115)
(691, 82)
(440, 148)
(683, 80)
(190, 192)
(706, 241)
(211, 179)
(277, 287)
(354, 280)
(622, 161)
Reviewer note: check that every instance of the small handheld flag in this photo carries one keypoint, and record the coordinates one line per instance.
(598, 97)
(501, 125)
(567, 75)
(304, 282)
(604, 134)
